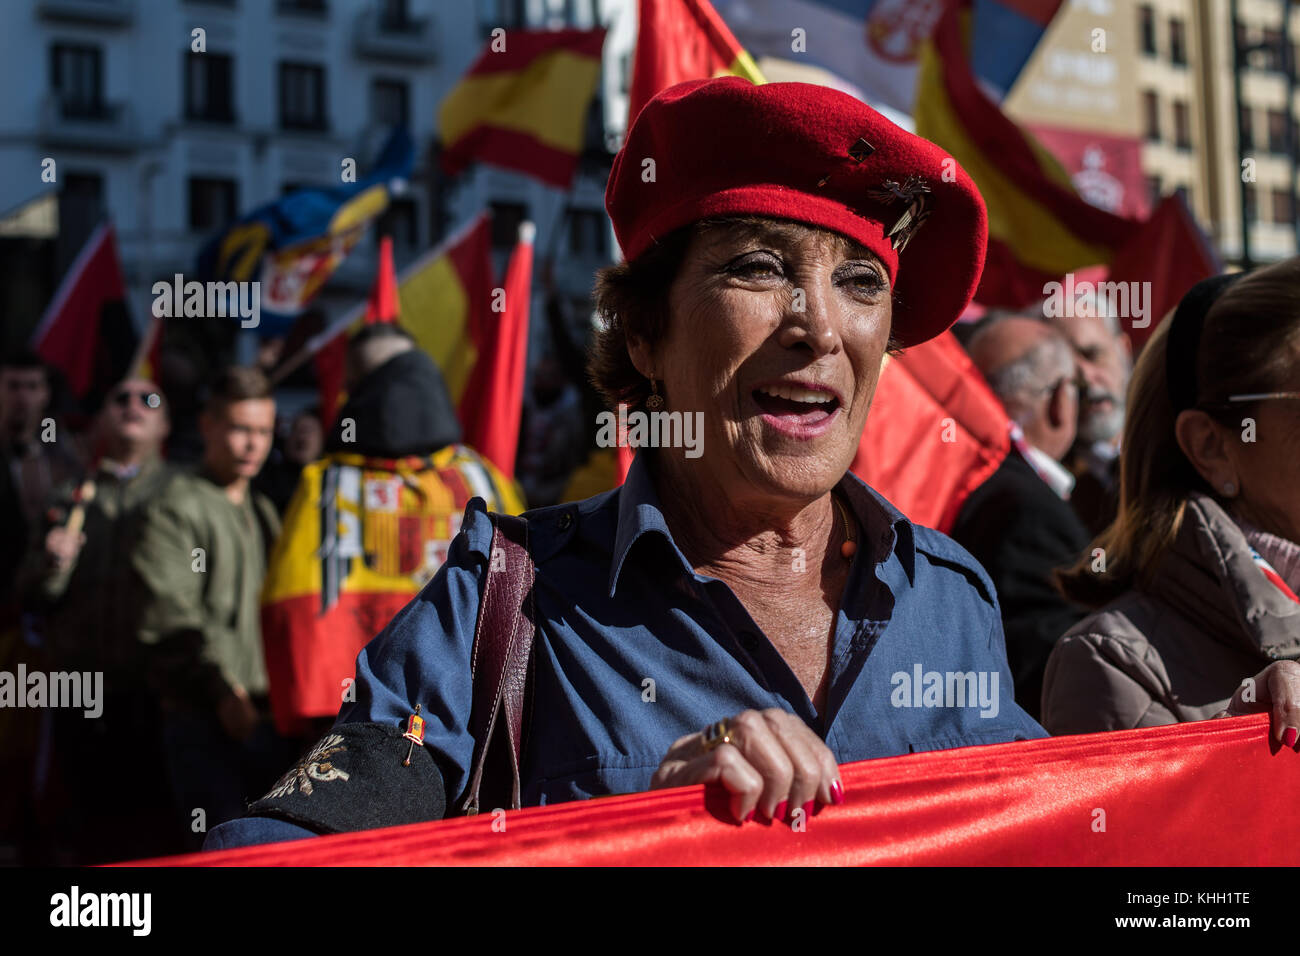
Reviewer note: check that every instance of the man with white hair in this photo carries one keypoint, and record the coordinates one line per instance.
(1018, 523)
(1105, 358)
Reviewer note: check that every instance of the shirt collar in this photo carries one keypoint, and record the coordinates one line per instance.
(1054, 474)
(639, 512)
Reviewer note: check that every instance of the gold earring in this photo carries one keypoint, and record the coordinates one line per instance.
(655, 401)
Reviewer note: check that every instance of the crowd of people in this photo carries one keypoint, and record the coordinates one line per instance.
(119, 562)
(1134, 561)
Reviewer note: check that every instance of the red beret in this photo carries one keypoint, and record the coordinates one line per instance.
(814, 155)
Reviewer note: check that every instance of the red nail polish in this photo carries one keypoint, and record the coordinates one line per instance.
(837, 793)
(808, 809)
(749, 816)
(779, 813)
(1289, 737)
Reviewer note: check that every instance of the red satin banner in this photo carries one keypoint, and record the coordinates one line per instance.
(1212, 793)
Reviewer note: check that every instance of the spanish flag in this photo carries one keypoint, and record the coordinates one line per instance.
(445, 297)
(523, 104)
(1039, 227)
(679, 40)
(360, 538)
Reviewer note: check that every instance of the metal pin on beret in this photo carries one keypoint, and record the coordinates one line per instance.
(813, 155)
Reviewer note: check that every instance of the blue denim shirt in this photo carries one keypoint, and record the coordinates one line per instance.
(917, 637)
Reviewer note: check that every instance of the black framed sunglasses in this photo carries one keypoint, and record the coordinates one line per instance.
(150, 400)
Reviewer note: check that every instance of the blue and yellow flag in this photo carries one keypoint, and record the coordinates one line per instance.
(294, 244)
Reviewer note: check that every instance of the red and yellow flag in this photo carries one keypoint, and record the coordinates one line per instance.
(680, 40)
(360, 538)
(443, 298)
(523, 104)
(1039, 227)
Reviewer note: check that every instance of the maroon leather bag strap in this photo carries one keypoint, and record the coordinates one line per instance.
(503, 644)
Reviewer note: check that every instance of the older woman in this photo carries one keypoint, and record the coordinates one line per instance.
(1197, 606)
(748, 614)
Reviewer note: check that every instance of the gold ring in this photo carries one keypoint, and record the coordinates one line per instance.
(715, 735)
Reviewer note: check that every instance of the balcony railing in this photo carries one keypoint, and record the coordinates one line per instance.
(379, 37)
(109, 12)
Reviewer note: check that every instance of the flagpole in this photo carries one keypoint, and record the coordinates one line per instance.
(341, 325)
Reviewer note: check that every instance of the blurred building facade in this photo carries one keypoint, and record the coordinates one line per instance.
(170, 143)
(1171, 83)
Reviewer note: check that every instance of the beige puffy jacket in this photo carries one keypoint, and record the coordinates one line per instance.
(1178, 650)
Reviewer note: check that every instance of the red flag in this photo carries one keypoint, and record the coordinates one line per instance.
(491, 407)
(935, 432)
(1170, 252)
(679, 40)
(85, 332)
(1205, 793)
(384, 305)
(330, 362)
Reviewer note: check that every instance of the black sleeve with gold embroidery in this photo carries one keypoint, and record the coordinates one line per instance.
(355, 778)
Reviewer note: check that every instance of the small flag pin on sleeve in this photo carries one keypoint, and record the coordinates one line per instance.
(414, 733)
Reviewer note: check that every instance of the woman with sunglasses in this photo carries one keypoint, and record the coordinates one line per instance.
(1195, 583)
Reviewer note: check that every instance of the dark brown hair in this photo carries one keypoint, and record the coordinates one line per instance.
(1250, 343)
(236, 383)
(632, 303)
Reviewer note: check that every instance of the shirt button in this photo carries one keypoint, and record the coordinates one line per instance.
(566, 519)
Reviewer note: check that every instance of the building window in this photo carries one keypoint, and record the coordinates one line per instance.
(302, 96)
(1147, 28)
(389, 102)
(1182, 126)
(394, 17)
(312, 7)
(213, 203)
(1153, 190)
(401, 221)
(76, 76)
(587, 237)
(1282, 206)
(1277, 132)
(1252, 204)
(85, 190)
(510, 14)
(1247, 121)
(1177, 42)
(1270, 58)
(506, 217)
(1151, 110)
(209, 94)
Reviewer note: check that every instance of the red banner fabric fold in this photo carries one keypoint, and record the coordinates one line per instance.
(935, 432)
(1212, 793)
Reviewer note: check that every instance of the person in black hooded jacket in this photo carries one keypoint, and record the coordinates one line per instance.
(398, 404)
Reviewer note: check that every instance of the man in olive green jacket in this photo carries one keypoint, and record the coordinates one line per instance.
(201, 559)
(83, 589)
